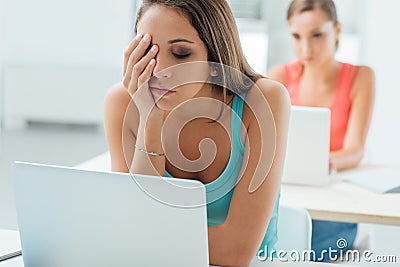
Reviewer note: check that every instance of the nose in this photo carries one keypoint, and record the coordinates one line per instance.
(162, 69)
(306, 46)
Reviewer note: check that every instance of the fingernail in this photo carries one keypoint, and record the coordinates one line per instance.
(146, 37)
(138, 36)
(153, 48)
(152, 61)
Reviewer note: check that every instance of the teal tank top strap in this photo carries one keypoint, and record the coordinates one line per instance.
(237, 115)
(222, 187)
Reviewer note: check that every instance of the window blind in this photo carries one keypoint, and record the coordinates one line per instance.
(246, 9)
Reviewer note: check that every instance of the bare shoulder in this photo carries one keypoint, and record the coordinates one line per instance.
(366, 72)
(117, 96)
(274, 91)
(118, 107)
(364, 82)
(266, 95)
(277, 73)
(120, 122)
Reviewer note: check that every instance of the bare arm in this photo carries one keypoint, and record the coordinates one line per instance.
(121, 121)
(363, 96)
(235, 243)
(130, 113)
(122, 124)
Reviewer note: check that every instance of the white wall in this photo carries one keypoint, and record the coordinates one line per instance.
(279, 47)
(73, 32)
(381, 51)
(254, 40)
(65, 37)
(1, 61)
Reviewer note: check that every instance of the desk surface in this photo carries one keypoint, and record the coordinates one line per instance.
(343, 201)
(339, 201)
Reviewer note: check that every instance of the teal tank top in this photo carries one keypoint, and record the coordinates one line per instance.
(219, 192)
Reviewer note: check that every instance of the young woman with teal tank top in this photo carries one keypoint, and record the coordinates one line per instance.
(217, 207)
(189, 106)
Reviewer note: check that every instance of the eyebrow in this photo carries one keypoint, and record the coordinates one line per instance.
(180, 40)
(316, 30)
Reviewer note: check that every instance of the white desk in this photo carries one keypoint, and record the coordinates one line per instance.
(339, 201)
(343, 201)
(9, 242)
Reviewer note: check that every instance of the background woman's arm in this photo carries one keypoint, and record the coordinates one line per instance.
(363, 96)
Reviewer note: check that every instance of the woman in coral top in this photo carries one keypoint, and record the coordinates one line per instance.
(316, 78)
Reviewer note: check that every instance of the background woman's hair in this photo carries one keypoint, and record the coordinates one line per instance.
(300, 6)
(328, 6)
(216, 26)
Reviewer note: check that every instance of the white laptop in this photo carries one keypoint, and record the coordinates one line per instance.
(69, 217)
(307, 153)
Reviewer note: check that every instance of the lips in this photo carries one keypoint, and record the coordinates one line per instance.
(160, 91)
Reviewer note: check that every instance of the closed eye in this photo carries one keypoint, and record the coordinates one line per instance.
(181, 56)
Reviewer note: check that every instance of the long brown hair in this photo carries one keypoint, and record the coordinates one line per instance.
(216, 27)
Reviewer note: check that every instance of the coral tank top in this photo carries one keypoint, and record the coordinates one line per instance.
(341, 104)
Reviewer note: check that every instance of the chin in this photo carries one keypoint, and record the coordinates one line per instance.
(166, 105)
(313, 63)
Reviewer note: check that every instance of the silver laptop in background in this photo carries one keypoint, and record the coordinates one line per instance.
(307, 153)
(69, 217)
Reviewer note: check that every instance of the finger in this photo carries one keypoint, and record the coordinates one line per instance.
(140, 66)
(142, 91)
(127, 55)
(128, 51)
(146, 74)
(134, 57)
